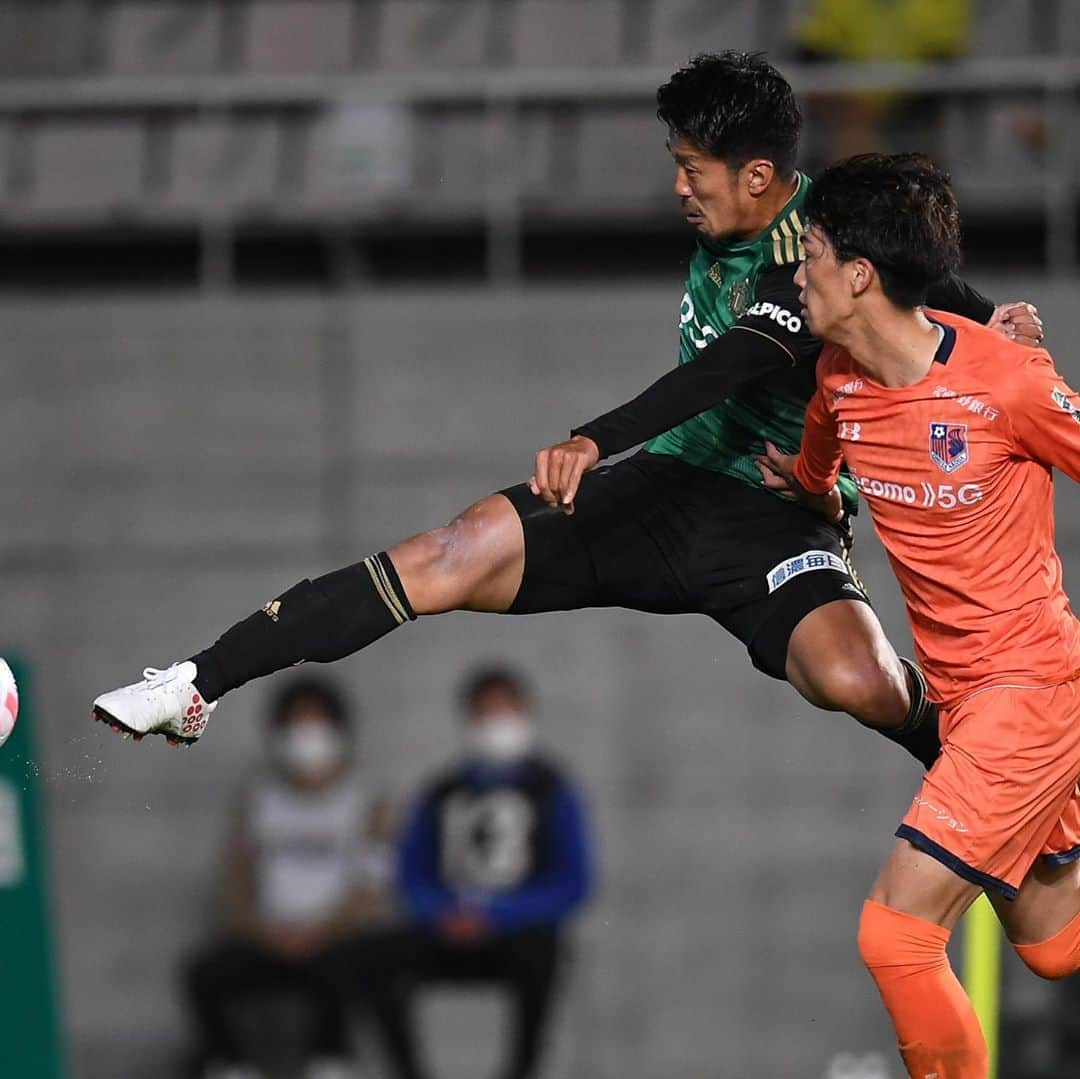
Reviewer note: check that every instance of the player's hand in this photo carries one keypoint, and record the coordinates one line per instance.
(559, 468)
(778, 474)
(1018, 321)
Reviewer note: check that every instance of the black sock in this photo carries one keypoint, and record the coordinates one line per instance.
(317, 621)
(918, 734)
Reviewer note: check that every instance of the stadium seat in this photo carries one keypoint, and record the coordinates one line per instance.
(359, 155)
(453, 163)
(424, 34)
(679, 29)
(453, 169)
(1007, 28)
(621, 159)
(288, 37)
(990, 145)
(88, 168)
(218, 161)
(171, 37)
(566, 33)
(42, 38)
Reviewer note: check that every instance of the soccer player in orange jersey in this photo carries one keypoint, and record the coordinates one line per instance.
(951, 434)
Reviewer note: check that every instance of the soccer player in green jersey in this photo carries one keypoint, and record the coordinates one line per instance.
(685, 526)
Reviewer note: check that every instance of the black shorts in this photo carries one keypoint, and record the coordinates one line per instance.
(653, 533)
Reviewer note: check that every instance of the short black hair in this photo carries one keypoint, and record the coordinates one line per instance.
(495, 676)
(896, 210)
(320, 694)
(735, 106)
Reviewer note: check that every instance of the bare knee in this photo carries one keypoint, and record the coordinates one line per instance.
(874, 693)
(872, 943)
(839, 659)
(474, 562)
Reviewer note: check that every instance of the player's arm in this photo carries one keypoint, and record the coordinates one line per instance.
(811, 476)
(1017, 320)
(769, 337)
(1044, 414)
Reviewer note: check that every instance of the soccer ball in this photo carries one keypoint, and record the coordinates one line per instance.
(9, 702)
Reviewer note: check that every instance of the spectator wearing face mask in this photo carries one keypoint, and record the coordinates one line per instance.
(493, 862)
(307, 873)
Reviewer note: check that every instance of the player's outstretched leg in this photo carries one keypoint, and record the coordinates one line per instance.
(474, 563)
(839, 659)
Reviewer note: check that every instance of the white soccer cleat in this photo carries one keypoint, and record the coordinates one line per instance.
(164, 702)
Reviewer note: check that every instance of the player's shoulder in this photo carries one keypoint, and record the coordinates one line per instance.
(834, 363)
(773, 309)
(776, 283)
(978, 344)
(989, 355)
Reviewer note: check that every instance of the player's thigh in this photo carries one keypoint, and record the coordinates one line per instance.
(771, 564)
(619, 548)
(1047, 901)
(473, 563)
(1049, 898)
(839, 658)
(913, 882)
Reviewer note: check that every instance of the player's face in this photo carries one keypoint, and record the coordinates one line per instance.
(709, 190)
(824, 287)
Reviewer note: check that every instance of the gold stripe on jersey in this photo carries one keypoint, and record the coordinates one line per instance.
(385, 594)
(800, 228)
(777, 254)
(789, 240)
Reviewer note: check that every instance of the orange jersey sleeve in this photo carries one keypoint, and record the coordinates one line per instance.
(1044, 413)
(817, 467)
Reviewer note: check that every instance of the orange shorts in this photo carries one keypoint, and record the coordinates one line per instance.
(1006, 788)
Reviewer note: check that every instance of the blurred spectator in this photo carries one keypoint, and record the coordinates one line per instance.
(857, 31)
(306, 873)
(493, 862)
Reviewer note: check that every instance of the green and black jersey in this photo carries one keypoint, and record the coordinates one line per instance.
(749, 287)
(746, 359)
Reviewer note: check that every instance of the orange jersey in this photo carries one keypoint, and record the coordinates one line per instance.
(956, 470)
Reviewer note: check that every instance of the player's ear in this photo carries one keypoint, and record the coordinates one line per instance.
(862, 275)
(757, 175)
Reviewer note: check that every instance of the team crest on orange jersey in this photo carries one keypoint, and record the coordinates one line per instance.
(949, 445)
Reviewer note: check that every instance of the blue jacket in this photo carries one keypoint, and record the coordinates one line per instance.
(510, 843)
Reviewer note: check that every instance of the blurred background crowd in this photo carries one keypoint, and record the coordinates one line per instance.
(286, 279)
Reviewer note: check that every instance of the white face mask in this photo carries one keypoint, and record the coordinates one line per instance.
(310, 748)
(501, 739)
